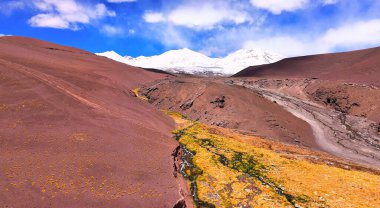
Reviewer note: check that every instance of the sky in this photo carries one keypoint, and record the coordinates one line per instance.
(212, 27)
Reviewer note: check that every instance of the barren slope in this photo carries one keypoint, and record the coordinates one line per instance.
(72, 135)
(215, 102)
(337, 94)
(283, 110)
(357, 67)
(335, 131)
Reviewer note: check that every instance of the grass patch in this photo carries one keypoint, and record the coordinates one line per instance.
(137, 94)
(226, 169)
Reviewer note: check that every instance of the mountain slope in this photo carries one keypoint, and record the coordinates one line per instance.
(358, 66)
(72, 134)
(230, 169)
(188, 61)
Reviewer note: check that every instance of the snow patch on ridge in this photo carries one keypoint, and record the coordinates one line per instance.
(191, 62)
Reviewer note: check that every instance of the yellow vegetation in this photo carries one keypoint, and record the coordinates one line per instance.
(79, 136)
(235, 170)
(136, 92)
(3, 107)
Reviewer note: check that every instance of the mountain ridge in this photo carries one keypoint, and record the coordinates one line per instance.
(359, 66)
(191, 62)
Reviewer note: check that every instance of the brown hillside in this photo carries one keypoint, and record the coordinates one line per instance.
(72, 134)
(361, 66)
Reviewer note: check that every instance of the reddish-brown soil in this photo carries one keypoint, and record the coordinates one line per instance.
(331, 91)
(325, 102)
(214, 102)
(353, 99)
(357, 67)
(72, 134)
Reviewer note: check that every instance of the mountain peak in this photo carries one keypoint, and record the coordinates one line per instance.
(112, 55)
(184, 52)
(188, 61)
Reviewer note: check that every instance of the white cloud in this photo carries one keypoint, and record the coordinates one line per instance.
(49, 20)
(202, 15)
(278, 6)
(206, 15)
(10, 6)
(172, 37)
(357, 35)
(228, 40)
(353, 35)
(110, 30)
(286, 45)
(120, 1)
(153, 17)
(328, 2)
(67, 14)
(168, 35)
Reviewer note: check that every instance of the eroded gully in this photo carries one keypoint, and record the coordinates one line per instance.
(344, 136)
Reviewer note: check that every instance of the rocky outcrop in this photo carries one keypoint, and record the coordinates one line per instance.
(219, 102)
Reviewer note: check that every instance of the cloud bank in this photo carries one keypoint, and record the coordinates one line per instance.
(213, 27)
(291, 28)
(278, 6)
(67, 14)
(201, 15)
(121, 1)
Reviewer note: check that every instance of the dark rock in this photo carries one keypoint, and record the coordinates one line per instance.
(180, 204)
(331, 100)
(355, 104)
(220, 123)
(219, 102)
(188, 104)
(150, 89)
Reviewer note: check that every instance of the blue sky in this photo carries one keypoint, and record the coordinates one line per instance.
(212, 27)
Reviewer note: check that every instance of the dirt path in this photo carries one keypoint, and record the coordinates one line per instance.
(344, 136)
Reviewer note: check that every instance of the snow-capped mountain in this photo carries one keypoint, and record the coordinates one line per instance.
(191, 62)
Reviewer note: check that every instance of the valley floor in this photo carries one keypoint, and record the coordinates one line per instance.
(74, 133)
(274, 143)
(335, 132)
(225, 168)
(302, 112)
